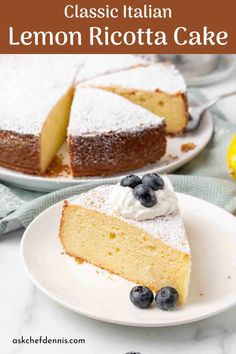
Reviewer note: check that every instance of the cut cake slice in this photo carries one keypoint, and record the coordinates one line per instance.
(154, 253)
(160, 88)
(108, 134)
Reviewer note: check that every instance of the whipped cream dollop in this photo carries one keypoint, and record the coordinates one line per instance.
(123, 202)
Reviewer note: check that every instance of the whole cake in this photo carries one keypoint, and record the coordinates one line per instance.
(109, 134)
(159, 88)
(133, 229)
(36, 97)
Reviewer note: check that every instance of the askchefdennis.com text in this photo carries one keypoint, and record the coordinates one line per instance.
(47, 340)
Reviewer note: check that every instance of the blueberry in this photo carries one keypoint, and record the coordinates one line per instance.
(130, 181)
(141, 296)
(153, 180)
(167, 298)
(145, 195)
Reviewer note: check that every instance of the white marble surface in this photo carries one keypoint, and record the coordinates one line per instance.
(25, 311)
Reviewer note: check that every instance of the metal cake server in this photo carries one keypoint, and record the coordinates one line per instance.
(197, 113)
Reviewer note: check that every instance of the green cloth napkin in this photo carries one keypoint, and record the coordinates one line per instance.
(205, 177)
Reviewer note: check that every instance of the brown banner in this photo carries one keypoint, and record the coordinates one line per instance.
(115, 26)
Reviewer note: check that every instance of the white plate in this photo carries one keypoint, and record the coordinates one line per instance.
(95, 293)
(200, 138)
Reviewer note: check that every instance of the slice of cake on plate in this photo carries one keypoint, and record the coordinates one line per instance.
(133, 229)
(109, 134)
(95, 65)
(160, 88)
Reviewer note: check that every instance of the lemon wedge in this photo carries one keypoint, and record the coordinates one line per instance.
(231, 157)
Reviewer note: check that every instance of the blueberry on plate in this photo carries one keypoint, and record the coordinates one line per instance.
(130, 181)
(145, 195)
(167, 298)
(141, 296)
(153, 180)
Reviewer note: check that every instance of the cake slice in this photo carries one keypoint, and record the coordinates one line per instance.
(110, 228)
(109, 134)
(160, 88)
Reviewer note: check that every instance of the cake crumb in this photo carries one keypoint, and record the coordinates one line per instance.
(79, 260)
(172, 157)
(187, 147)
(57, 168)
(201, 294)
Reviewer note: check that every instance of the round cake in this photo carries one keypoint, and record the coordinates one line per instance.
(108, 129)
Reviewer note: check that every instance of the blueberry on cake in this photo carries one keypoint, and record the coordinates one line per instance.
(133, 229)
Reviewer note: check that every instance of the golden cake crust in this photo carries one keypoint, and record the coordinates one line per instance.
(20, 152)
(109, 153)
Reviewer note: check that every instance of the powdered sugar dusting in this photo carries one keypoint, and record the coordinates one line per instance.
(100, 64)
(160, 76)
(30, 87)
(32, 84)
(168, 229)
(97, 111)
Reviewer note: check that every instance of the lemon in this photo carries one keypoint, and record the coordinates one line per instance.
(231, 157)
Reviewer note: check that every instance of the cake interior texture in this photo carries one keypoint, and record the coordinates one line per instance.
(54, 130)
(121, 248)
(172, 107)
